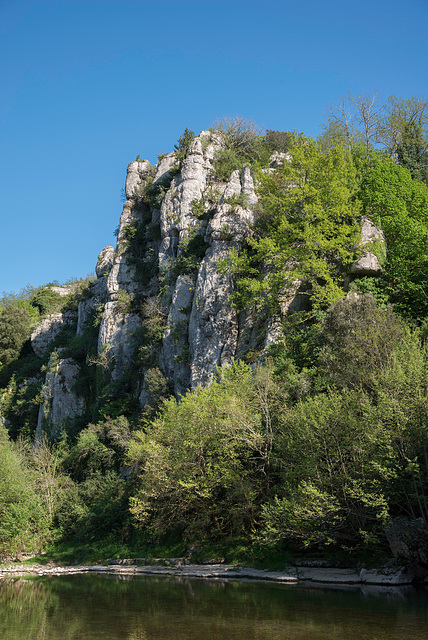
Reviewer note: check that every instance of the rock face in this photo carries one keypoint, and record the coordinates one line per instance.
(105, 261)
(64, 290)
(116, 338)
(48, 329)
(178, 222)
(61, 405)
(187, 205)
(408, 540)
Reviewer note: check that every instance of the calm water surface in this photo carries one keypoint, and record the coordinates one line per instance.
(91, 607)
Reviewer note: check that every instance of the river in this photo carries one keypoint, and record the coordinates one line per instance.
(95, 607)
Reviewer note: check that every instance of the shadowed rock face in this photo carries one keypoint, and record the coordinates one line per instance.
(177, 223)
(408, 541)
(60, 403)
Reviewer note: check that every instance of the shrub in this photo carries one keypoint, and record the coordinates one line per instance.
(193, 248)
(154, 314)
(243, 144)
(358, 341)
(46, 300)
(183, 144)
(279, 140)
(22, 524)
(124, 302)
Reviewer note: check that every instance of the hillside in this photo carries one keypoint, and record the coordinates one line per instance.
(248, 368)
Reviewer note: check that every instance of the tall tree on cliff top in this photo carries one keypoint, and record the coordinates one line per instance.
(400, 125)
(354, 120)
(404, 132)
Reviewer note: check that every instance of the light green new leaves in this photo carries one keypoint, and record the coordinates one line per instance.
(307, 228)
(203, 460)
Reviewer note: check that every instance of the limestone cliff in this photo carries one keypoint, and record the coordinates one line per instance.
(165, 308)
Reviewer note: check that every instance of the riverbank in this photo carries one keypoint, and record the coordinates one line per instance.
(178, 567)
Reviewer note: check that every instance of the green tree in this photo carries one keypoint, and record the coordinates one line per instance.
(404, 131)
(99, 448)
(412, 151)
(203, 462)
(333, 481)
(355, 455)
(183, 144)
(22, 523)
(358, 340)
(399, 205)
(46, 300)
(17, 320)
(307, 229)
(402, 408)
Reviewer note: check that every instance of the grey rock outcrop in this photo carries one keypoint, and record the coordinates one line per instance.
(175, 353)
(48, 329)
(105, 261)
(373, 245)
(165, 165)
(213, 326)
(203, 330)
(61, 405)
(214, 323)
(88, 306)
(136, 173)
(117, 338)
(64, 290)
(278, 158)
(98, 291)
(119, 325)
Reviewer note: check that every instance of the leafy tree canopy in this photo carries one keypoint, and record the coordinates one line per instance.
(307, 228)
(399, 205)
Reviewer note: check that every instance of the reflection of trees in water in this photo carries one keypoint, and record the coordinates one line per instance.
(29, 610)
(23, 609)
(85, 607)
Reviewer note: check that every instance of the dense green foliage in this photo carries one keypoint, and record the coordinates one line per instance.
(22, 521)
(205, 460)
(399, 205)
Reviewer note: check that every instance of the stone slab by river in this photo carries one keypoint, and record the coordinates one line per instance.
(290, 575)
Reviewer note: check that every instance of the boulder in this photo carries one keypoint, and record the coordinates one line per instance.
(373, 245)
(105, 261)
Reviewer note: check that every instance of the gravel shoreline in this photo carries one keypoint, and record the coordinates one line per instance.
(290, 575)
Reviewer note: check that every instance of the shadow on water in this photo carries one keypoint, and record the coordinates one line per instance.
(91, 607)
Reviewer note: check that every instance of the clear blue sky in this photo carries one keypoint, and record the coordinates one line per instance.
(87, 85)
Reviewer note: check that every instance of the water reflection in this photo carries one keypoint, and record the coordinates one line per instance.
(91, 607)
